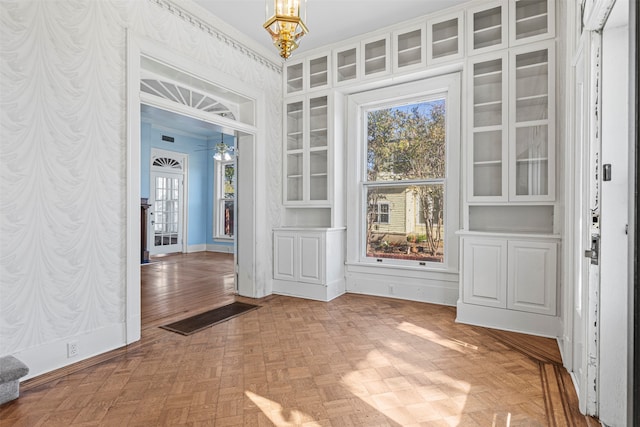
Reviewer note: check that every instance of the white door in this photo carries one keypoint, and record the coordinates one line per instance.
(166, 213)
(582, 227)
(586, 297)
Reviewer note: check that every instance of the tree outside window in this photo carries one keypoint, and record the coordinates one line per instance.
(405, 171)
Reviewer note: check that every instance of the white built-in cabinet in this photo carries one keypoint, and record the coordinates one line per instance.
(487, 27)
(347, 64)
(376, 57)
(510, 238)
(512, 273)
(308, 74)
(510, 233)
(530, 21)
(306, 165)
(445, 38)
(511, 132)
(308, 262)
(409, 48)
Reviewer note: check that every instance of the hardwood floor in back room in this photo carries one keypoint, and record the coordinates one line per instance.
(354, 361)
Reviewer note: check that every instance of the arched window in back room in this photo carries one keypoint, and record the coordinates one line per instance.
(167, 162)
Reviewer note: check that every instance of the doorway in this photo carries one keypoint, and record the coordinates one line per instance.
(147, 58)
(167, 199)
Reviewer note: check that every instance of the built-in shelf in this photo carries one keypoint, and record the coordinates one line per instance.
(409, 47)
(531, 20)
(346, 63)
(488, 162)
(306, 159)
(294, 77)
(486, 27)
(444, 38)
(375, 56)
(318, 72)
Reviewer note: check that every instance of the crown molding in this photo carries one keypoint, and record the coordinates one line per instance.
(189, 17)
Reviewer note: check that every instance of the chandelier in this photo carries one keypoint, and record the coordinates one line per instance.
(285, 24)
(223, 152)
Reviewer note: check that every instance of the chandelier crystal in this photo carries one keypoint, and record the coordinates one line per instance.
(285, 24)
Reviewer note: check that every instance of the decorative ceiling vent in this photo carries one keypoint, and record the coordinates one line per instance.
(185, 96)
(167, 162)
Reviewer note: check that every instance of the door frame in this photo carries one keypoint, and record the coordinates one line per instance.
(183, 158)
(582, 201)
(251, 140)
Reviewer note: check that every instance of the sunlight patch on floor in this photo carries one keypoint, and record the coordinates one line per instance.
(400, 398)
(501, 420)
(418, 331)
(278, 415)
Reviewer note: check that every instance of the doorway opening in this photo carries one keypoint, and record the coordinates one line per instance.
(156, 80)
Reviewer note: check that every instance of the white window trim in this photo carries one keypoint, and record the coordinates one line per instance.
(218, 200)
(447, 86)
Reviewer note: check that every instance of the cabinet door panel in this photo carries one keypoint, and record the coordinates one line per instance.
(532, 277)
(532, 123)
(485, 272)
(284, 253)
(310, 259)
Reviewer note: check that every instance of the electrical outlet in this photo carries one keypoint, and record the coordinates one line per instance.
(72, 349)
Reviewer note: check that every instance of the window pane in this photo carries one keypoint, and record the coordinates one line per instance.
(229, 181)
(406, 222)
(406, 142)
(228, 218)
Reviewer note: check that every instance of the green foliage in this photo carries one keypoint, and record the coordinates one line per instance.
(409, 144)
(406, 144)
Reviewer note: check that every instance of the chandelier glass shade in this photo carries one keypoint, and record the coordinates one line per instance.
(222, 151)
(285, 24)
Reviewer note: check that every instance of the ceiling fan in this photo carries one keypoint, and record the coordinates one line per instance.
(222, 151)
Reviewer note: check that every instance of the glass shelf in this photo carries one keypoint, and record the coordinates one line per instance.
(531, 18)
(318, 72)
(409, 46)
(346, 64)
(295, 80)
(375, 57)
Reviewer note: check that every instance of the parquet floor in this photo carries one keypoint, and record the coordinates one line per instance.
(355, 361)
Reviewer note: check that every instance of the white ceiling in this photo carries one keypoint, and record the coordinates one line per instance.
(329, 21)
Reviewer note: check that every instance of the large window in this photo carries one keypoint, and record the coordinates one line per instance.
(403, 179)
(405, 174)
(224, 199)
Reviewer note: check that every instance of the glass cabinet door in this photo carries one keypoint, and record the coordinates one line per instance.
(306, 153)
(294, 151)
(488, 144)
(318, 119)
(294, 78)
(531, 135)
(486, 29)
(530, 21)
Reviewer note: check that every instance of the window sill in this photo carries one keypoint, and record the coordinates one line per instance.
(224, 239)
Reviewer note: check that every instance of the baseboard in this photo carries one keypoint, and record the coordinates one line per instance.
(509, 320)
(53, 355)
(309, 290)
(435, 291)
(212, 247)
(196, 248)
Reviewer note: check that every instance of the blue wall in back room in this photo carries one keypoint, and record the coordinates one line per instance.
(200, 177)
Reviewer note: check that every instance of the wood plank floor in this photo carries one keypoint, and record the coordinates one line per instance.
(355, 361)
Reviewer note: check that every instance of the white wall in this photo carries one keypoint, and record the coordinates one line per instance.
(62, 161)
(614, 283)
